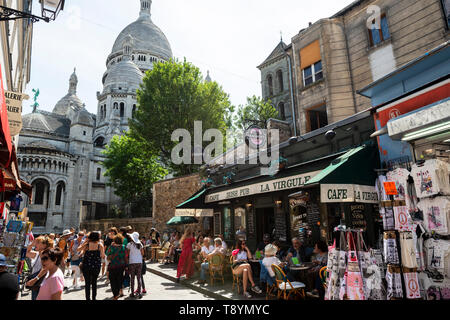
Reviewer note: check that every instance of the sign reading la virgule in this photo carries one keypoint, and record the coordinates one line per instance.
(263, 187)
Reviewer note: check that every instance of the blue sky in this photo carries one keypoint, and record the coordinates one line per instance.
(228, 37)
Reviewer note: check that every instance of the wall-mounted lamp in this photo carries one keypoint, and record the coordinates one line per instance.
(278, 203)
(249, 205)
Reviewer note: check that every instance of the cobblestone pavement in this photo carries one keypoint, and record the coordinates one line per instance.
(157, 287)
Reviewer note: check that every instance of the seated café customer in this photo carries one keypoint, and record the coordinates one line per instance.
(264, 243)
(267, 275)
(320, 260)
(241, 267)
(224, 244)
(218, 249)
(298, 251)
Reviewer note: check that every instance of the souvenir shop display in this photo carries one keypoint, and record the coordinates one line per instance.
(416, 239)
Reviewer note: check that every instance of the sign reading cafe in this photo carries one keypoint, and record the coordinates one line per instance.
(263, 187)
(330, 193)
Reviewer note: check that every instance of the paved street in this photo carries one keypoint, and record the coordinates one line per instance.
(157, 289)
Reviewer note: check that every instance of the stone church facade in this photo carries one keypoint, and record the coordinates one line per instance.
(60, 152)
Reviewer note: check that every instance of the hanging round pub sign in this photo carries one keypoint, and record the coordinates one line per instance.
(255, 137)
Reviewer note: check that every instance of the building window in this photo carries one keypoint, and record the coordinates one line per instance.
(317, 118)
(116, 106)
(99, 172)
(312, 73)
(99, 142)
(122, 109)
(59, 193)
(84, 133)
(40, 191)
(227, 231)
(376, 36)
(280, 80)
(270, 84)
(282, 111)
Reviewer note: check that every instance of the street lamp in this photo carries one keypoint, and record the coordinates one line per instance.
(51, 8)
(49, 11)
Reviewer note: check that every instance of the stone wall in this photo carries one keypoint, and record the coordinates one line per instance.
(141, 225)
(167, 194)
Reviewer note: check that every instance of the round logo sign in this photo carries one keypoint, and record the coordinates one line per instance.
(394, 113)
(255, 137)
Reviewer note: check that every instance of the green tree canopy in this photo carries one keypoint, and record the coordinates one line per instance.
(256, 111)
(132, 168)
(174, 95)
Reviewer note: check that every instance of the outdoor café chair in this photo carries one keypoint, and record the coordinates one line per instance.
(216, 268)
(271, 285)
(285, 287)
(161, 254)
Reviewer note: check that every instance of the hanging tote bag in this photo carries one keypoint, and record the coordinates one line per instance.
(341, 288)
(388, 218)
(411, 283)
(332, 268)
(394, 283)
(403, 220)
(390, 248)
(374, 280)
(408, 250)
(364, 259)
(355, 286)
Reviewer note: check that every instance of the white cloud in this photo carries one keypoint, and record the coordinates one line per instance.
(229, 38)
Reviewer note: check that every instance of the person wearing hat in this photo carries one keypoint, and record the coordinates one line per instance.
(63, 244)
(9, 286)
(135, 251)
(270, 258)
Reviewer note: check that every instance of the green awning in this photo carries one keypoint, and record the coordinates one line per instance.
(355, 167)
(195, 206)
(349, 178)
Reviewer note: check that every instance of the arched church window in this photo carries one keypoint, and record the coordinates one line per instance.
(116, 106)
(40, 191)
(280, 80)
(99, 142)
(122, 109)
(270, 84)
(59, 193)
(282, 111)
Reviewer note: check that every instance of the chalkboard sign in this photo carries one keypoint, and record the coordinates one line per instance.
(280, 225)
(357, 218)
(251, 223)
(299, 217)
(217, 223)
(313, 212)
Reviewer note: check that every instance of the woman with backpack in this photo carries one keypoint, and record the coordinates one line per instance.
(117, 262)
(93, 253)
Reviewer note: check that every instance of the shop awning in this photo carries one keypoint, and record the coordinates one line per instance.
(349, 178)
(195, 206)
(6, 146)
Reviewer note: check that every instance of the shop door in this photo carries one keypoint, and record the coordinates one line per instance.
(265, 222)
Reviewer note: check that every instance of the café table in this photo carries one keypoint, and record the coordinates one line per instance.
(155, 252)
(300, 271)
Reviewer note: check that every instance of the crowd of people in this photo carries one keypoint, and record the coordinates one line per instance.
(120, 256)
(86, 257)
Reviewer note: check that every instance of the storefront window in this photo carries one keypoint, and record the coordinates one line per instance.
(227, 233)
(239, 223)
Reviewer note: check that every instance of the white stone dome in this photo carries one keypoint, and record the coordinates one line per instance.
(148, 38)
(124, 75)
(70, 102)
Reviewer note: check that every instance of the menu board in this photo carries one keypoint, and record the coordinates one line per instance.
(280, 225)
(313, 213)
(251, 223)
(217, 223)
(357, 218)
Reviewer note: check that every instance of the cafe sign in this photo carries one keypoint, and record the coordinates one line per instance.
(332, 193)
(286, 183)
(14, 107)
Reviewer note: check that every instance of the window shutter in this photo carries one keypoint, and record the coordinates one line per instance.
(310, 54)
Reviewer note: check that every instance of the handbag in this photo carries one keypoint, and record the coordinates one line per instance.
(126, 280)
(37, 284)
(355, 285)
(337, 276)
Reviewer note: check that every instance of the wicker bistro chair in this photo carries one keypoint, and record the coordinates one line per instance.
(237, 280)
(216, 268)
(271, 284)
(161, 254)
(285, 287)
